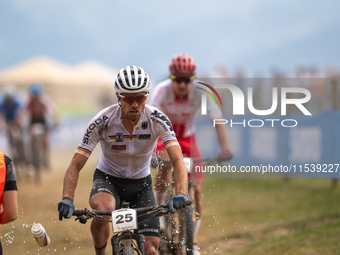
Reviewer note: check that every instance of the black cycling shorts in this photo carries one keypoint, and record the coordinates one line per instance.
(138, 192)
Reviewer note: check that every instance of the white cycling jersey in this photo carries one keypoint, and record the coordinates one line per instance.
(182, 112)
(123, 155)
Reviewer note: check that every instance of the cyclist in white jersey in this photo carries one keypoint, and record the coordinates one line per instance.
(179, 98)
(127, 132)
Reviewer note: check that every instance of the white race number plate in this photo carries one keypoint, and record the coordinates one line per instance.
(124, 219)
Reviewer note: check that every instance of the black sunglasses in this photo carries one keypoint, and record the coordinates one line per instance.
(182, 79)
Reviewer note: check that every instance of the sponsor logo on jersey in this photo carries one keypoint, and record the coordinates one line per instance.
(92, 126)
(160, 123)
(144, 136)
(162, 117)
(118, 147)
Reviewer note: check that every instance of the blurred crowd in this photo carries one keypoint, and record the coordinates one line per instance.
(25, 115)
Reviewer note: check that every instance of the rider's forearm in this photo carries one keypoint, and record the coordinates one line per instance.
(72, 175)
(180, 178)
(180, 172)
(70, 182)
(222, 137)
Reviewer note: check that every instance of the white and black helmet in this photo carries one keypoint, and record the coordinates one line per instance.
(132, 79)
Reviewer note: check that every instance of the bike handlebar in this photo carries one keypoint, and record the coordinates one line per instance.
(165, 206)
(138, 210)
(85, 211)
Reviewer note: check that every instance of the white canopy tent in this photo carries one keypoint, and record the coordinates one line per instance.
(81, 85)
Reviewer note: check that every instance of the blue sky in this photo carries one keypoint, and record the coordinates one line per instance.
(255, 35)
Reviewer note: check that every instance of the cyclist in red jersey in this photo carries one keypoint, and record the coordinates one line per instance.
(180, 101)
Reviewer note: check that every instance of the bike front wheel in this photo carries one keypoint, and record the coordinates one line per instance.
(186, 231)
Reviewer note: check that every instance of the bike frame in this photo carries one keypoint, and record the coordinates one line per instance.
(37, 134)
(16, 142)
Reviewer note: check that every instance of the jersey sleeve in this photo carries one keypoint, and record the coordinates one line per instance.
(155, 96)
(11, 181)
(164, 128)
(91, 135)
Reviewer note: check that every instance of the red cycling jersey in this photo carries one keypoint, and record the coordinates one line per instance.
(183, 113)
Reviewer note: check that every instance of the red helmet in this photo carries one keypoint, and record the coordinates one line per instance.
(183, 65)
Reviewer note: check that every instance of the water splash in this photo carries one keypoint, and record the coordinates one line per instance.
(24, 225)
(9, 238)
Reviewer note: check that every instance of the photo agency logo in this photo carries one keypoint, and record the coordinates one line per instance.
(204, 97)
(238, 105)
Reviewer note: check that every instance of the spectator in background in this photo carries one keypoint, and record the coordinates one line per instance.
(8, 192)
(10, 110)
(11, 113)
(41, 112)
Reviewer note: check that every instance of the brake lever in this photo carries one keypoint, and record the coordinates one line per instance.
(82, 219)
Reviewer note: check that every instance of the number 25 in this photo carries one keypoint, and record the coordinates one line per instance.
(120, 218)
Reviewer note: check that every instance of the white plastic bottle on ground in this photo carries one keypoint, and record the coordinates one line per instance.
(40, 235)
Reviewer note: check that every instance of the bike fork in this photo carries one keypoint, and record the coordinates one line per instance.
(115, 245)
(141, 244)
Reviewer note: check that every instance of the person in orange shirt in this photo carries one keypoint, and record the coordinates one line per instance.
(8, 192)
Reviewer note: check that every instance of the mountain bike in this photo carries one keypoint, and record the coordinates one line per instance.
(37, 153)
(177, 237)
(126, 239)
(16, 142)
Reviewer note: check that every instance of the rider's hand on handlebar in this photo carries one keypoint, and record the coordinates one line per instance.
(65, 208)
(225, 155)
(177, 202)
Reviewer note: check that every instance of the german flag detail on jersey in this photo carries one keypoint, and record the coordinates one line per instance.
(170, 143)
(133, 137)
(83, 151)
(118, 138)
